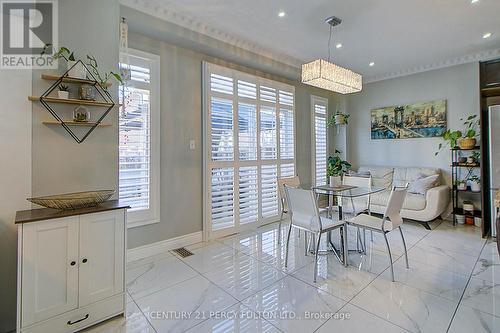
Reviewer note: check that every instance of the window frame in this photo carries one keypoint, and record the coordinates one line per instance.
(315, 100)
(236, 163)
(152, 214)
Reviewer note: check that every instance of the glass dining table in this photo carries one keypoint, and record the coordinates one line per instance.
(336, 193)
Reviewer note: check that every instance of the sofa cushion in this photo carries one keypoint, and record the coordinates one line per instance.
(404, 175)
(422, 185)
(381, 176)
(412, 202)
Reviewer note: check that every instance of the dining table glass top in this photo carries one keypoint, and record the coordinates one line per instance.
(347, 191)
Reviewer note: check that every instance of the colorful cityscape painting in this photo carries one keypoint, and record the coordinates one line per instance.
(419, 120)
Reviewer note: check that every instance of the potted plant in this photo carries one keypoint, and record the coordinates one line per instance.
(336, 168)
(468, 141)
(338, 119)
(475, 184)
(102, 78)
(464, 140)
(75, 69)
(474, 158)
(461, 185)
(63, 92)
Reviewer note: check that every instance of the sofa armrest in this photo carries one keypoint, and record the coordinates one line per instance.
(437, 199)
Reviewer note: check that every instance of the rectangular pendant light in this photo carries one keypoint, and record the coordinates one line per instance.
(326, 75)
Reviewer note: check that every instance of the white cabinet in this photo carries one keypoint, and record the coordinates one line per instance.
(72, 271)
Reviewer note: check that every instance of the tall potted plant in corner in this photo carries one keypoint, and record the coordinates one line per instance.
(336, 168)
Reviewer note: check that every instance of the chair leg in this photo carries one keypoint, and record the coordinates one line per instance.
(279, 228)
(346, 249)
(306, 244)
(390, 255)
(316, 258)
(404, 245)
(287, 244)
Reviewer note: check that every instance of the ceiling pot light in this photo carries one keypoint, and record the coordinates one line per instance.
(487, 35)
(327, 75)
(474, 1)
(371, 64)
(339, 45)
(281, 14)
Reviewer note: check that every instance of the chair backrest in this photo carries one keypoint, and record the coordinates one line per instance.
(361, 203)
(394, 206)
(303, 208)
(290, 182)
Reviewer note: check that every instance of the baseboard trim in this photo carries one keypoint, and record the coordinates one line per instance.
(163, 246)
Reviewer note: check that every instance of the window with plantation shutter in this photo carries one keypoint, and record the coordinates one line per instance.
(138, 139)
(319, 114)
(249, 144)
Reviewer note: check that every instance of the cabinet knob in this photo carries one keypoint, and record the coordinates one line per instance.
(84, 260)
(73, 263)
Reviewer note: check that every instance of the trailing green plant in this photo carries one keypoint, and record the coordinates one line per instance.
(63, 87)
(476, 179)
(331, 119)
(336, 165)
(64, 53)
(451, 137)
(476, 156)
(102, 78)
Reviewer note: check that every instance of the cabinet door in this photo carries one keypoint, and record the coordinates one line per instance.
(49, 269)
(102, 249)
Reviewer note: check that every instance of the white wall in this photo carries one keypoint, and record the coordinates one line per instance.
(15, 180)
(459, 85)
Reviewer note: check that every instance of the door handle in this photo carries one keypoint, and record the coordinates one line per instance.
(79, 320)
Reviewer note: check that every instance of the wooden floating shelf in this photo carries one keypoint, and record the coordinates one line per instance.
(458, 148)
(76, 123)
(68, 79)
(69, 101)
(465, 165)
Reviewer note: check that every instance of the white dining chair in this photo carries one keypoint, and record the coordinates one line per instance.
(292, 182)
(391, 220)
(355, 206)
(304, 215)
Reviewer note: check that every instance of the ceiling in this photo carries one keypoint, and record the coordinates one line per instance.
(400, 37)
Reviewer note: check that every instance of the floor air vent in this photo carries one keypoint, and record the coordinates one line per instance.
(183, 252)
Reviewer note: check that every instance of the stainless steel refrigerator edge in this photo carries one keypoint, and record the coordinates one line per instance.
(494, 136)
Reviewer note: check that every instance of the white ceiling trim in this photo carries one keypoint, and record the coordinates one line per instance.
(156, 9)
(474, 57)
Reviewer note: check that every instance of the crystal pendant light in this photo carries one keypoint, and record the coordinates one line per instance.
(327, 75)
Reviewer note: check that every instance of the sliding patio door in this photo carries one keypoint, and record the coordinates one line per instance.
(249, 142)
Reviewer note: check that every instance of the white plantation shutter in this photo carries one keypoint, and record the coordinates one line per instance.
(320, 139)
(250, 142)
(138, 139)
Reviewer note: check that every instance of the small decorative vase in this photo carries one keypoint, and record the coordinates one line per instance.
(471, 160)
(475, 187)
(462, 160)
(76, 70)
(462, 186)
(87, 92)
(335, 181)
(460, 219)
(468, 207)
(467, 143)
(63, 94)
(81, 114)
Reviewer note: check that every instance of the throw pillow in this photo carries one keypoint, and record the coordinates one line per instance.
(422, 185)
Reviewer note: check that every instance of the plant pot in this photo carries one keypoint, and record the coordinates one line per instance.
(475, 187)
(468, 207)
(467, 143)
(462, 160)
(76, 70)
(471, 160)
(63, 94)
(340, 119)
(460, 219)
(461, 186)
(81, 114)
(335, 181)
(477, 221)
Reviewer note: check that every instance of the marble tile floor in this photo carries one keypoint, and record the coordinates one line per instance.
(240, 284)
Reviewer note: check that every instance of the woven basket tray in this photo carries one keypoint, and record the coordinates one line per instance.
(73, 200)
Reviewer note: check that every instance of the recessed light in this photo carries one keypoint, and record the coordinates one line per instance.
(487, 35)
(339, 45)
(371, 64)
(474, 1)
(281, 14)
